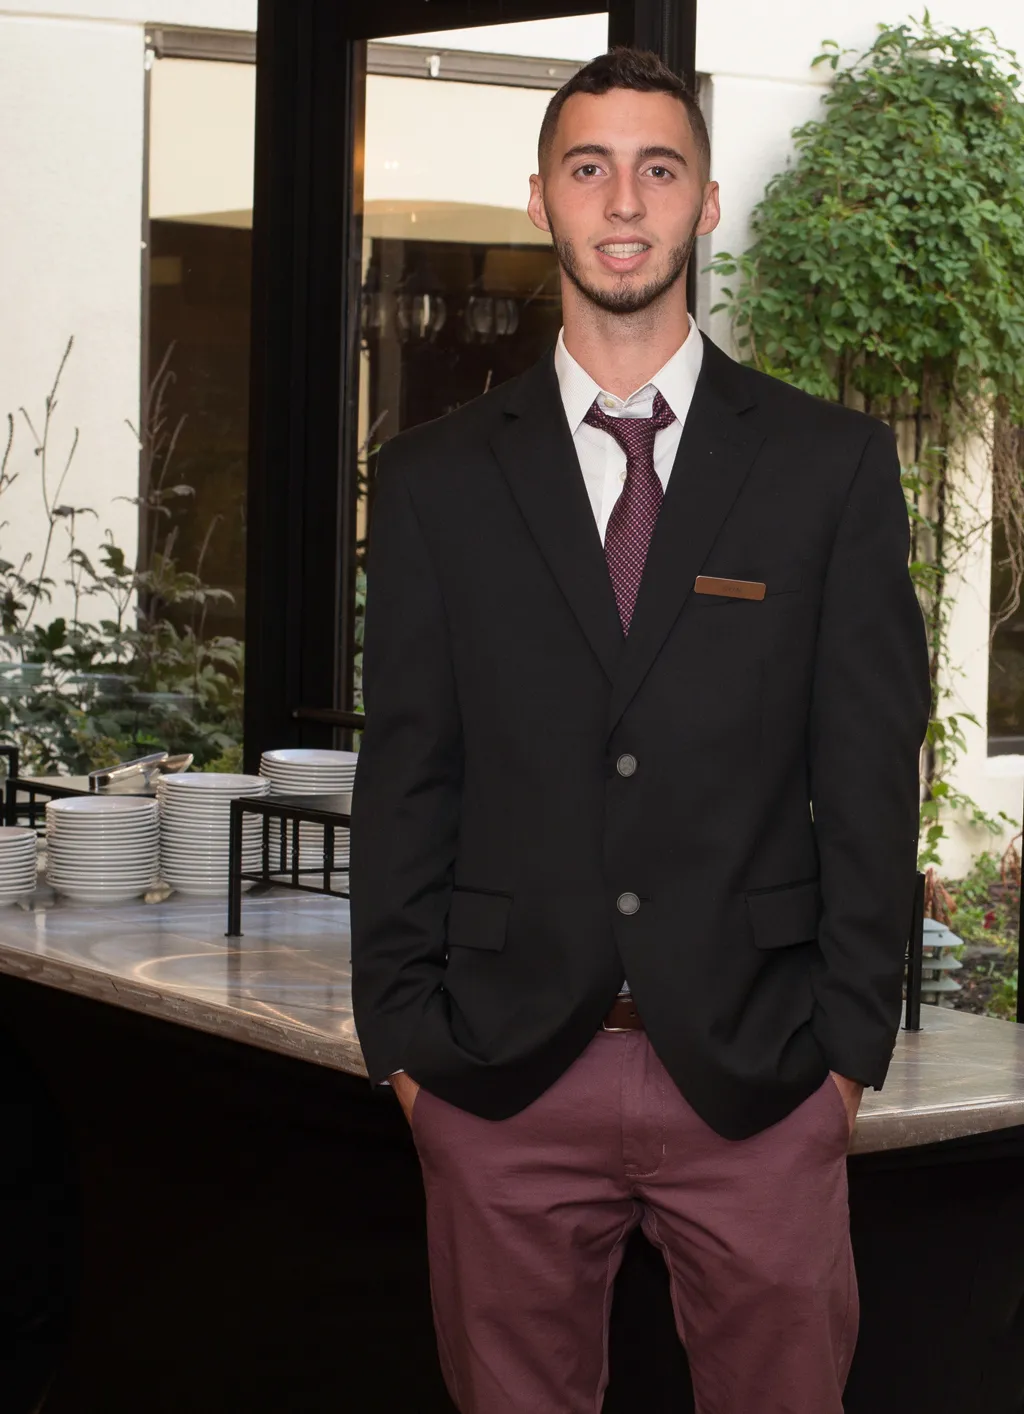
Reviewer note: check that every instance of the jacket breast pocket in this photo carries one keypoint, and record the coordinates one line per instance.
(784, 582)
(782, 917)
(478, 920)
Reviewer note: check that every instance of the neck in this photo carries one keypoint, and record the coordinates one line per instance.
(622, 352)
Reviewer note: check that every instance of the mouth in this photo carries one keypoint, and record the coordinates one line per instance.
(623, 255)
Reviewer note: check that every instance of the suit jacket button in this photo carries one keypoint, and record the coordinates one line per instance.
(626, 764)
(627, 903)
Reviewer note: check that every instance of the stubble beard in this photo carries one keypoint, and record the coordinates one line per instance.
(625, 298)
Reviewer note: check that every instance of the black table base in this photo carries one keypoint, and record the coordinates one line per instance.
(254, 1240)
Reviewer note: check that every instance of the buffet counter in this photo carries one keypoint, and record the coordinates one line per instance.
(249, 1210)
(285, 986)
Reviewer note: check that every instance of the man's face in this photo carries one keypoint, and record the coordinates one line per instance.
(623, 197)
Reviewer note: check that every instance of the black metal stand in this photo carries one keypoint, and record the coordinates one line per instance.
(915, 957)
(10, 752)
(330, 811)
(40, 789)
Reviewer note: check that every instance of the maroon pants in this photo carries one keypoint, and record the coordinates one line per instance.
(527, 1219)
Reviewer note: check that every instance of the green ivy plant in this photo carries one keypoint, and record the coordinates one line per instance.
(885, 273)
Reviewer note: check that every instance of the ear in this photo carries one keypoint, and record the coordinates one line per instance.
(711, 212)
(535, 207)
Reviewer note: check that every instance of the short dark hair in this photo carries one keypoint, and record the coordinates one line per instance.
(624, 67)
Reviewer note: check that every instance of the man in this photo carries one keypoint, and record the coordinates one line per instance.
(635, 821)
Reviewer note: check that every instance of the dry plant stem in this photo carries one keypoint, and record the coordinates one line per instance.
(1008, 509)
(42, 451)
(6, 478)
(938, 902)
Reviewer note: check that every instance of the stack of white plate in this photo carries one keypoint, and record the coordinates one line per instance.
(17, 863)
(102, 849)
(307, 771)
(195, 820)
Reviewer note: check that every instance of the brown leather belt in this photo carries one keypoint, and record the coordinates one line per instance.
(622, 1016)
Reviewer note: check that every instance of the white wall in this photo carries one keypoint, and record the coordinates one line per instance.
(210, 14)
(576, 37)
(71, 99)
(995, 782)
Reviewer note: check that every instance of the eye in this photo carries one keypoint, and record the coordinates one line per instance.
(586, 167)
(660, 169)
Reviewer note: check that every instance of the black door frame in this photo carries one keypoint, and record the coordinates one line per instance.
(300, 575)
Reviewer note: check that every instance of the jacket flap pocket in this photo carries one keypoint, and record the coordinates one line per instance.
(478, 920)
(781, 917)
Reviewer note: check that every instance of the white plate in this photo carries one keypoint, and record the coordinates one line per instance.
(15, 834)
(209, 819)
(208, 814)
(102, 851)
(219, 820)
(207, 849)
(182, 864)
(207, 810)
(208, 839)
(88, 841)
(313, 787)
(185, 863)
(100, 861)
(191, 889)
(297, 773)
(99, 819)
(99, 806)
(207, 784)
(99, 876)
(310, 756)
(101, 896)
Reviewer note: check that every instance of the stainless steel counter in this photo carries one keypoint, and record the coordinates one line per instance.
(285, 986)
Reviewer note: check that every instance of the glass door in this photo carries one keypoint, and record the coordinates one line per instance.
(459, 289)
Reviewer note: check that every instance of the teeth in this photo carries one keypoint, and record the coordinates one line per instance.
(633, 248)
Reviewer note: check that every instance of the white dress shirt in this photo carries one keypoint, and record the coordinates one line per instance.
(602, 460)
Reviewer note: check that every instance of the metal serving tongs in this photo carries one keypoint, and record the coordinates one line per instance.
(156, 763)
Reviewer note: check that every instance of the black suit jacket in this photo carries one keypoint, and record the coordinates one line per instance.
(769, 828)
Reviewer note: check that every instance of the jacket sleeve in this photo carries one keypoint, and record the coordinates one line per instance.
(405, 807)
(869, 713)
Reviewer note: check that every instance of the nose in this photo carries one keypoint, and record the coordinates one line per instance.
(624, 200)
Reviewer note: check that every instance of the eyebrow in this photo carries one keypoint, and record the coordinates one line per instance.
(643, 154)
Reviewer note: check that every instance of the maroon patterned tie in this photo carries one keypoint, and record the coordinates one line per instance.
(631, 523)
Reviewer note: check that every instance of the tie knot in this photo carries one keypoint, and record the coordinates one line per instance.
(635, 435)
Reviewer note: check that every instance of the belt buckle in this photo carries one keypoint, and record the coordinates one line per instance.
(604, 1024)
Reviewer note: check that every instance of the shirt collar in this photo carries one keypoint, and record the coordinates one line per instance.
(675, 381)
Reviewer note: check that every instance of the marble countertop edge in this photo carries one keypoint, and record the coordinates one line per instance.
(183, 1009)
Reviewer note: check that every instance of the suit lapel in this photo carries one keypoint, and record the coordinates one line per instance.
(535, 451)
(716, 452)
